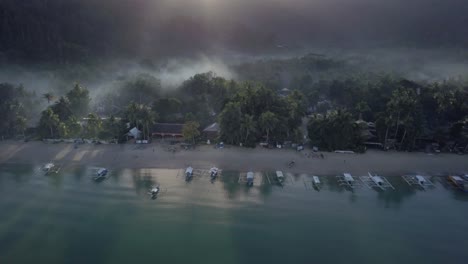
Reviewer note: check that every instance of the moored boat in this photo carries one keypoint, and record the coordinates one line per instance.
(188, 173)
(280, 177)
(50, 168)
(459, 182)
(214, 172)
(250, 178)
(101, 173)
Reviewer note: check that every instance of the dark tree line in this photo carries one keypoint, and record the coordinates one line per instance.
(256, 113)
(406, 114)
(15, 106)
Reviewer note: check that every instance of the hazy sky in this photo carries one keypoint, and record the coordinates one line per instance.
(256, 24)
(177, 30)
(172, 27)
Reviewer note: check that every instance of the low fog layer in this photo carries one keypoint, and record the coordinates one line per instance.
(49, 45)
(414, 64)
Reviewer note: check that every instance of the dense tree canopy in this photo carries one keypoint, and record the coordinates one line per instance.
(257, 113)
(15, 104)
(191, 131)
(335, 131)
(342, 105)
(79, 100)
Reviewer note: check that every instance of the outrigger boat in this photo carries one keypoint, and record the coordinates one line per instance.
(214, 173)
(417, 180)
(347, 180)
(250, 178)
(375, 181)
(280, 177)
(101, 174)
(50, 168)
(188, 173)
(459, 182)
(154, 191)
(316, 181)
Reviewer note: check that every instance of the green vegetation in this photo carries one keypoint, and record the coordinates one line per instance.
(335, 130)
(191, 130)
(15, 108)
(344, 111)
(141, 116)
(255, 113)
(49, 123)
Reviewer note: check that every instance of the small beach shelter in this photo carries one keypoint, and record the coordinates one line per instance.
(134, 132)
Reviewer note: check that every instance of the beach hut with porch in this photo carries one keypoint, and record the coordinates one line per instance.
(168, 131)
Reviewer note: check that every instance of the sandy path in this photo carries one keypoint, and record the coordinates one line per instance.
(233, 158)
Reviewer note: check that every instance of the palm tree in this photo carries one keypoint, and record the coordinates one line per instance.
(191, 130)
(132, 114)
(50, 120)
(141, 116)
(268, 121)
(113, 126)
(94, 124)
(147, 117)
(388, 122)
(402, 103)
(49, 97)
(20, 124)
(248, 126)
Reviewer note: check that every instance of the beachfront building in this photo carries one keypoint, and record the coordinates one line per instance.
(369, 134)
(169, 131)
(134, 133)
(211, 132)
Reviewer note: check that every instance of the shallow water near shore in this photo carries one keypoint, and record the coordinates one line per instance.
(69, 218)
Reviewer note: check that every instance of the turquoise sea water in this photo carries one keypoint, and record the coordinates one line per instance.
(69, 218)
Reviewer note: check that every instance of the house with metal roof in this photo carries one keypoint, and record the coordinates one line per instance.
(211, 132)
(167, 130)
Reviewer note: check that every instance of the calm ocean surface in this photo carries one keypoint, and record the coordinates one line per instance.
(69, 218)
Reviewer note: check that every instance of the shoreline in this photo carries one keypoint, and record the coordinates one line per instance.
(156, 155)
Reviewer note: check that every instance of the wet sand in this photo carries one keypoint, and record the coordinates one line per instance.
(157, 155)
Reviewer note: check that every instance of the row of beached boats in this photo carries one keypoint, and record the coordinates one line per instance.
(346, 179)
(376, 181)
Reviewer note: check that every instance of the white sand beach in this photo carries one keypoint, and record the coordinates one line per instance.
(157, 155)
